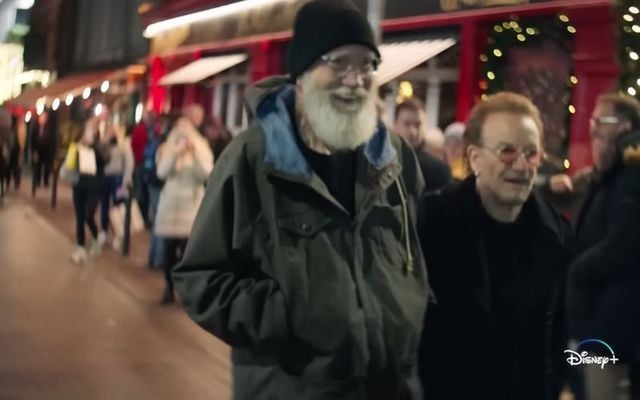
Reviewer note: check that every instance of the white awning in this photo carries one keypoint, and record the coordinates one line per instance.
(400, 57)
(201, 69)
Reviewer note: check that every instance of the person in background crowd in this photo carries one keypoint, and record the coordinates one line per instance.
(604, 282)
(86, 161)
(498, 257)
(155, 184)
(409, 122)
(15, 156)
(304, 256)
(434, 142)
(454, 151)
(43, 141)
(5, 147)
(184, 163)
(217, 135)
(118, 177)
(195, 114)
(141, 134)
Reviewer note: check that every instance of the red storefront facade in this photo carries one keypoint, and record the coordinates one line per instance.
(593, 54)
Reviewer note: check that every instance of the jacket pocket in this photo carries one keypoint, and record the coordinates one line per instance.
(304, 224)
(385, 231)
(319, 287)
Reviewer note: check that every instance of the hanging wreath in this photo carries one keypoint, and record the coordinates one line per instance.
(628, 12)
(540, 69)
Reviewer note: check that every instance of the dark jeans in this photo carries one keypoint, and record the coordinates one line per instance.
(141, 193)
(173, 251)
(14, 170)
(109, 197)
(9, 168)
(3, 172)
(42, 169)
(156, 248)
(86, 194)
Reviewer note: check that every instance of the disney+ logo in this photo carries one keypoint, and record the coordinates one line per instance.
(575, 358)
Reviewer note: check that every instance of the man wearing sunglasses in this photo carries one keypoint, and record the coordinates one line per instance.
(304, 256)
(604, 281)
(497, 256)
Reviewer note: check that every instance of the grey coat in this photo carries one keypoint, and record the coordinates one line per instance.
(316, 303)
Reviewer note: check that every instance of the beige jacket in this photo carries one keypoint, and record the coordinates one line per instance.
(184, 177)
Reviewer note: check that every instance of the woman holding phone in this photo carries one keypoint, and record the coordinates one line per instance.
(184, 162)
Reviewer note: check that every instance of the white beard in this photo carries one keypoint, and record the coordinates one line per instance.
(338, 129)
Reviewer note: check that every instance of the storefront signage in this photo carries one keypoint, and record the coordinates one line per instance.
(411, 8)
(456, 5)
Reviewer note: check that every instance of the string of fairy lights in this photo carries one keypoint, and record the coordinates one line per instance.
(629, 46)
(41, 103)
(547, 81)
(508, 34)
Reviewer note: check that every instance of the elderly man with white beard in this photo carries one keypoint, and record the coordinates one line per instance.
(304, 256)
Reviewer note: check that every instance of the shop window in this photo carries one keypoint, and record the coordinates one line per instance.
(434, 83)
(228, 98)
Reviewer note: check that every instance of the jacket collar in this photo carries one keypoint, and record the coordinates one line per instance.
(282, 151)
(549, 246)
(464, 198)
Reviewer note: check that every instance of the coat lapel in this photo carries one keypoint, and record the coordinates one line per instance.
(473, 261)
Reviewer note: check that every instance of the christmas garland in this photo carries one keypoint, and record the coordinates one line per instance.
(508, 34)
(544, 86)
(628, 12)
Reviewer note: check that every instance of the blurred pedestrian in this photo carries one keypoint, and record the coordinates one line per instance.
(498, 256)
(5, 147)
(15, 156)
(454, 151)
(195, 114)
(154, 184)
(184, 162)
(604, 285)
(304, 256)
(217, 135)
(118, 178)
(142, 133)
(84, 166)
(409, 123)
(43, 141)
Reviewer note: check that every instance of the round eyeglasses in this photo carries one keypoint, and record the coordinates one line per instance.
(508, 155)
(342, 65)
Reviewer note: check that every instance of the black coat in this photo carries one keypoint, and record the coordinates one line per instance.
(458, 339)
(436, 173)
(44, 143)
(604, 282)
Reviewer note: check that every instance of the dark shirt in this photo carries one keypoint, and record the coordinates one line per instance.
(337, 170)
(436, 173)
(507, 249)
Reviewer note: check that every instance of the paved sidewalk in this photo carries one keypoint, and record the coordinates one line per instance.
(94, 331)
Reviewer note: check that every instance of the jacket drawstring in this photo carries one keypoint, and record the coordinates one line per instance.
(405, 215)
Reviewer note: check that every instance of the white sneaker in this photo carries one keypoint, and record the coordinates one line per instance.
(79, 255)
(102, 238)
(95, 248)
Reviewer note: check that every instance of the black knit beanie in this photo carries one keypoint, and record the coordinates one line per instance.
(323, 25)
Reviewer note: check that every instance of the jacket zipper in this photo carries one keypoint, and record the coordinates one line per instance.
(405, 216)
